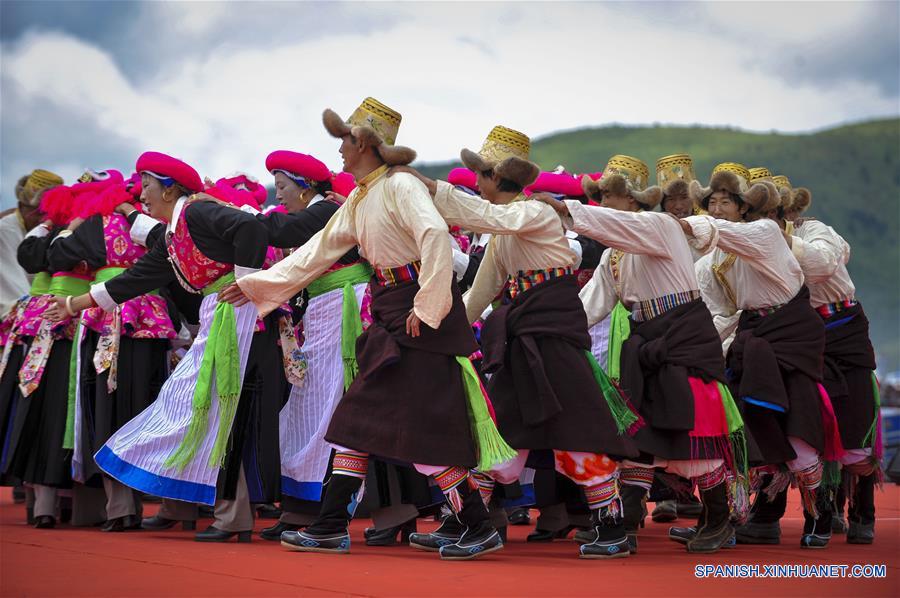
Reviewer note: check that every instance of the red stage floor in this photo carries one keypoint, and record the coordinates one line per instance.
(85, 562)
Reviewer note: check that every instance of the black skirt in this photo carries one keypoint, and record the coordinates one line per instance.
(254, 433)
(10, 405)
(40, 423)
(142, 370)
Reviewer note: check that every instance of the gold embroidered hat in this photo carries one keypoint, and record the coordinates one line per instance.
(781, 181)
(762, 196)
(375, 123)
(30, 187)
(759, 173)
(674, 174)
(506, 152)
(727, 176)
(625, 176)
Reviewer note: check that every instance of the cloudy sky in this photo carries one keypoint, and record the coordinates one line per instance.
(221, 84)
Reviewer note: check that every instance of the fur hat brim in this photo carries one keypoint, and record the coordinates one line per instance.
(393, 155)
(762, 197)
(616, 184)
(474, 162)
(519, 171)
(801, 199)
(677, 188)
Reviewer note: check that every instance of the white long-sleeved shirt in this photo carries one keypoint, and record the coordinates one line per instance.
(823, 255)
(395, 222)
(14, 281)
(648, 257)
(764, 271)
(527, 235)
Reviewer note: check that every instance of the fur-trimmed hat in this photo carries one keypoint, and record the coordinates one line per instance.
(781, 181)
(762, 197)
(801, 199)
(760, 173)
(624, 176)
(377, 125)
(506, 152)
(30, 187)
(674, 174)
(727, 176)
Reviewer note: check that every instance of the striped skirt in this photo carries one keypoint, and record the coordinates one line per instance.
(304, 419)
(136, 454)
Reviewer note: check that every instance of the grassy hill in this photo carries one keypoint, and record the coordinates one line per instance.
(853, 172)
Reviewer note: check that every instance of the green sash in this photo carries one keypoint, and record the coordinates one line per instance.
(624, 417)
(351, 323)
(40, 285)
(70, 286)
(492, 449)
(619, 331)
(220, 356)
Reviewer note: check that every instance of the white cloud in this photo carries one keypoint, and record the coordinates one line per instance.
(453, 70)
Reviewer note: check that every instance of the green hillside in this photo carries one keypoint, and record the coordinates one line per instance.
(853, 172)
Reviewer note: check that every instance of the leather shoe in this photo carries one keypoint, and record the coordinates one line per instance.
(273, 533)
(213, 534)
(157, 523)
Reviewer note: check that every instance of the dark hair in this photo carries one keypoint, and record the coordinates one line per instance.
(321, 187)
(734, 197)
(507, 186)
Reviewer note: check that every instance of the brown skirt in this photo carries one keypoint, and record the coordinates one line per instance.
(408, 402)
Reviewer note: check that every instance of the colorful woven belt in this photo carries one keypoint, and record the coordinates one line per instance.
(768, 311)
(651, 308)
(388, 277)
(526, 279)
(829, 309)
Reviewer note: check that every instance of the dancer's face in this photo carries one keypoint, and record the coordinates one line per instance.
(158, 200)
(288, 193)
(615, 201)
(680, 206)
(723, 206)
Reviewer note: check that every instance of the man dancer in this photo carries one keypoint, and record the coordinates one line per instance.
(409, 401)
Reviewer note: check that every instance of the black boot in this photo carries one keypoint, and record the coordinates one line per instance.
(817, 531)
(763, 527)
(716, 530)
(273, 533)
(683, 535)
(328, 533)
(448, 533)
(838, 521)
(665, 511)
(634, 510)
(388, 536)
(610, 539)
(861, 513)
(479, 537)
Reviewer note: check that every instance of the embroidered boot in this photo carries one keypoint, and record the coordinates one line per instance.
(328, 533)
(610, 541)
(817, 530)
(479, 537)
